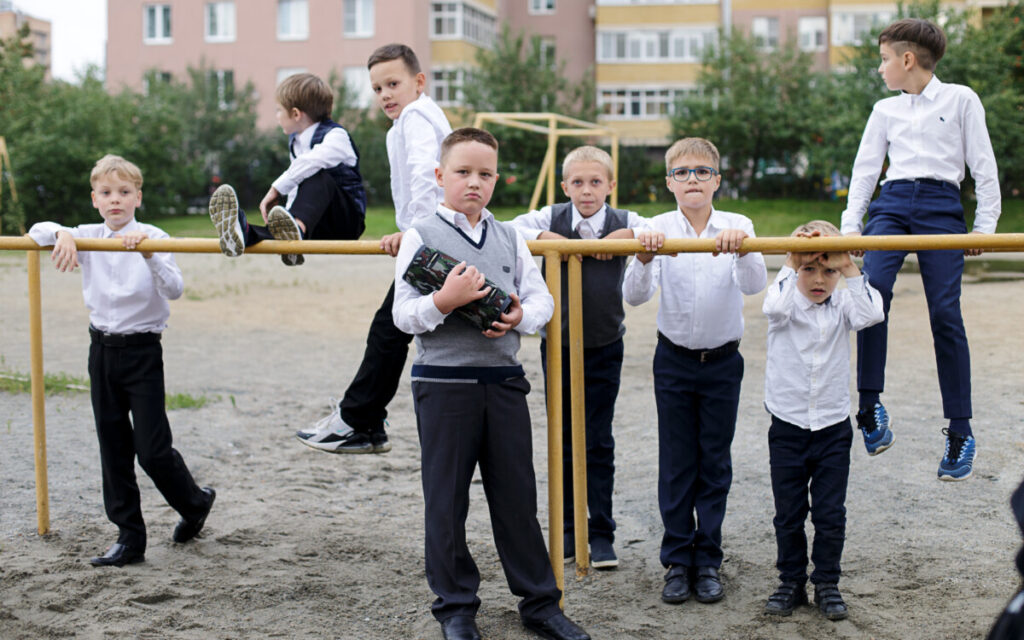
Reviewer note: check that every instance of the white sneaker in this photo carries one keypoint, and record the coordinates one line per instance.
(224, 215)
(333, 435)
(283, 227)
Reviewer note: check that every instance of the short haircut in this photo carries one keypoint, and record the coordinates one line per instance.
(466, 134)
(588, 153)
(307, 93)
(824, 227)
(695, 147)
(111, 164)
(923, 38)
(395, 51)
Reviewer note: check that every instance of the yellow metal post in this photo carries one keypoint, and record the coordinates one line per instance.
(552, 151)
(35, 322)
(615, 164)
(579, 417)
(556, 550)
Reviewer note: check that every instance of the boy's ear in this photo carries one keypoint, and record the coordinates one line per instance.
(909, 60)
(439, 176)
(294, 113)
(564, 189)
(421, 82)
(92, 194)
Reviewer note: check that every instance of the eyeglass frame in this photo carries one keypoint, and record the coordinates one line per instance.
(678, 171)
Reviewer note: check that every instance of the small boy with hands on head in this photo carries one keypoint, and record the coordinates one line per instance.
(697, 365)
(323, 186)
(807, 382)
(469, 392)
(127, 294)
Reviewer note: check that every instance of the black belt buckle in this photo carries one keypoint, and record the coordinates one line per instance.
(706, 355)
(114, 339)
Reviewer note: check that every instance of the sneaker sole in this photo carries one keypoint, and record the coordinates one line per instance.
(883, 449)
(605, 565)
(224, 215)
(282, 227)
(334, 447)
(949, 478)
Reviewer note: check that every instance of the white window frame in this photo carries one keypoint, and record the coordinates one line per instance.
(654, 46)
(850, 27)
(813, 33)
(765, 32)
(159, 17)
(462, 20)
(640, 102)
(223, 14)
(446, 84)
(219, 76)
(548, 52)
(362, 15)
(357, 80)
(298, 11)
(541, 7)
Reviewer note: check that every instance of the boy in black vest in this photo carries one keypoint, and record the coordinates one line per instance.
(323, 186)
(588, 177)
(469, 391)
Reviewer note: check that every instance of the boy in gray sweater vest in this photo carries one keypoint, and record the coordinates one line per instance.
(470, 392)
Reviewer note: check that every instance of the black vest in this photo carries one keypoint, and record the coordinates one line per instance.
(348, 179)
(602, 282)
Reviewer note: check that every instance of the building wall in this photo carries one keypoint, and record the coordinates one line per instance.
(570, 25)
(39, 36)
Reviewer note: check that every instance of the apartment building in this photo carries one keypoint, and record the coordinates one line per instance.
(11, 20)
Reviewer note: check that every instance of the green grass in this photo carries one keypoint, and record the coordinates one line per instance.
(772, 217)
(60, 383)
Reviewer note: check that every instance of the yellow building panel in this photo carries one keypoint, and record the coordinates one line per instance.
(641, 132)
(779, 5)
(452, 52)
(863, 5)
(631, 74)
(840, 56)
(658, 15)
(487, 4)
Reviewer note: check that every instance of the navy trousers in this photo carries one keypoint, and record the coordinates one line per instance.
(462, 425)
(814, 464)
(129, 381)
(327, 212)
(906, 207)
(697, 408)
(602, 368)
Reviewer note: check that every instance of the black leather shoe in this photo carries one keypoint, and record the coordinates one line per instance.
(788, 596)
(557, 627)
(186, 530)
(460, 628)
(830, 601)
(708, 586)
(118, 555)
(677, 585)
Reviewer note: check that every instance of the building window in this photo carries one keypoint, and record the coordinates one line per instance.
(292, 19)
(357, 18)
(285, 72)
(640, 103)
(547, 52)
(446, 86)
(156, 28)
(220, 21)
(542, 6)
(812, 33)
(851, 28)
(357, 86)
(154, 78)
(765, 32)
(675, 45)
(461, 21)
(222, 88)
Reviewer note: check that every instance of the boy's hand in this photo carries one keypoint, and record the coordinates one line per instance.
(797, 259)
(507, 321)
(729, 241)
(856, 253)
(551, 235)
(267, 203)
(651, 241)
(462, 285)
(65, 252)
(131, 239)
(391, 243)
(840, 260)
(974, 252)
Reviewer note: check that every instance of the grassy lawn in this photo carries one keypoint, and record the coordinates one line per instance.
(774, 217)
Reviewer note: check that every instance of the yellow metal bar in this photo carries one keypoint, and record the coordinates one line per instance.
(552, 150)
(518, 125)
(615, 164)
(537, 188)
(35, 322)
(556, 523)
(579, 417)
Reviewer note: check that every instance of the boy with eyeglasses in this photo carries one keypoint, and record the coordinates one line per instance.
(697, 365)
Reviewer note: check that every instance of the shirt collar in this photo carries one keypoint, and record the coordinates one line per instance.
(109, 233)
(931, 90)
(715, 222)
(595, 221)
(457, 217)
(305, 137)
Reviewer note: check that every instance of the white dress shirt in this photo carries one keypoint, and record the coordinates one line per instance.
(124, 292)
(701, 295)
(926, 135)
(336, 148)
(807, 372)
(533, 223)
(416, 313)
(414, 151)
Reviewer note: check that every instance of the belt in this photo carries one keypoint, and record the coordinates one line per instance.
(702, 355)
(122, 339)
(929, 181)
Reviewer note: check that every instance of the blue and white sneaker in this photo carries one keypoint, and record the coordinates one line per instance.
(875, 425)
(958, 462)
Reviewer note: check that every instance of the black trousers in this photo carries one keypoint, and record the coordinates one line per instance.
(816, 465)
(364, 405)
(129, 381)
(327, 212)
(460, 426)
(602, 368)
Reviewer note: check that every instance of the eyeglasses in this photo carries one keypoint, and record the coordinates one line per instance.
(682, 174)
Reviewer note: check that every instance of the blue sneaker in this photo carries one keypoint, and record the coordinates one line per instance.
(874, 424)
(958, 463)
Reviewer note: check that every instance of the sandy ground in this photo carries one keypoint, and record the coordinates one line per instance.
(302, 544)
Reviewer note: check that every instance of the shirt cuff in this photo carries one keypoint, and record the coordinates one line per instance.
(855, 284)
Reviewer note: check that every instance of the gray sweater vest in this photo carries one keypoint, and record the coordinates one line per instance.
(456, 350)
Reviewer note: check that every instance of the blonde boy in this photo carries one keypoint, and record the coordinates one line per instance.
(697, 365)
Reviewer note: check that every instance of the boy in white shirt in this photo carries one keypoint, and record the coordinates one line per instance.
(807, 382)
(697, 365)
(928, 131)
(324, 189)
(356, 424)
(127, 294)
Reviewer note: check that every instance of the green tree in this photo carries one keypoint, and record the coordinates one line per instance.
(368, 128)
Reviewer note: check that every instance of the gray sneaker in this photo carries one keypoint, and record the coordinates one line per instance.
(224, 215)
(282, 226)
